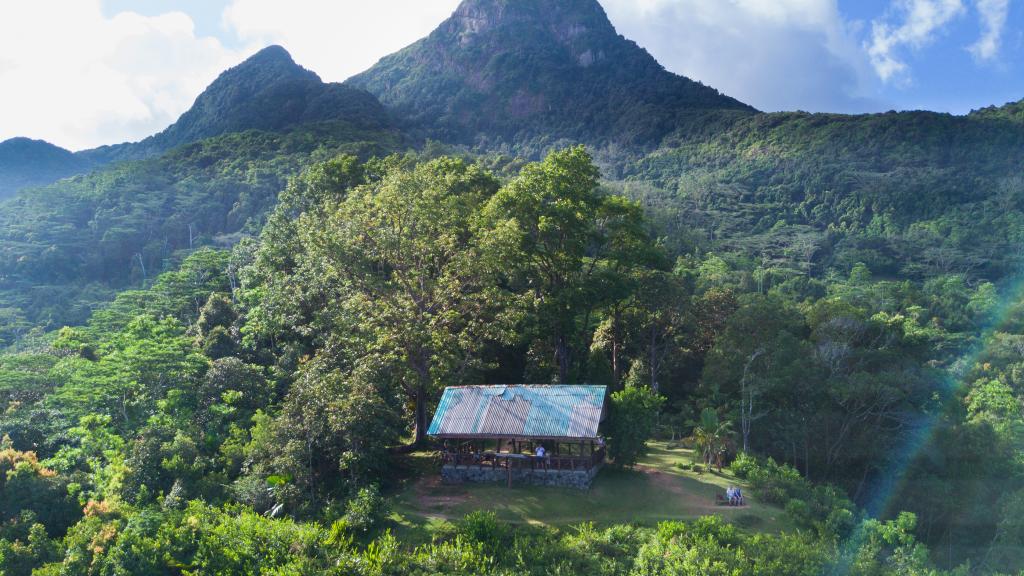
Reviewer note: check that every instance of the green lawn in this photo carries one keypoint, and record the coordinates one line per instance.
(656, 490)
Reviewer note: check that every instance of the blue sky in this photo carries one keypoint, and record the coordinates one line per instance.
(81, 73)
(943, 75)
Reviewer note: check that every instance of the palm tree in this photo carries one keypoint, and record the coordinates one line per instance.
(712, 437)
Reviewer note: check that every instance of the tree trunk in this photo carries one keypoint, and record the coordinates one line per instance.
(616, 368)
(747, 401)
(807, 453)
(616, 345)
(654, 359)
(562, 356)
(421, 415)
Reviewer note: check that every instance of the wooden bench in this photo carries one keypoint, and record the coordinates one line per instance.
(721, 500)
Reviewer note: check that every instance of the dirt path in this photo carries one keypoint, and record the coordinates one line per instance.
(430, 494)
(673, 484)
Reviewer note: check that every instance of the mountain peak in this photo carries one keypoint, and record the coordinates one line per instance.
(520, 71)
(267, 91)
(27, 162)
(23, 145)
(567, 19)
(272, 52)
(273, 57)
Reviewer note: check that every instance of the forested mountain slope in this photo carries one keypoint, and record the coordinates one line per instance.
(268, 91)
(25, 162)
(912, 194)
(206, 179)
(531, 73)
(65, 247)
(1010, 111)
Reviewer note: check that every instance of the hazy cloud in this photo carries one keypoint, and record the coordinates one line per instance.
(772, 54)
(339, 38)
(84, 79)
(992, 14)
(921, 20)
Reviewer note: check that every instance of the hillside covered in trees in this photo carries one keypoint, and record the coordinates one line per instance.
(221, 344)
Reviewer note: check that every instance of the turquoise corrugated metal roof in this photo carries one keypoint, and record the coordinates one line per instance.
(527, 411)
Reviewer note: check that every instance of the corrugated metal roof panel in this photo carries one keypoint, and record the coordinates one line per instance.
(505, 416)
(529, 411)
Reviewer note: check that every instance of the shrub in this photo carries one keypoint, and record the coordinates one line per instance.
(821, 508)
(743, 465)
(482, 526)
(776, 483)
(443, 531)
(366, 510)
(798, 510)
(633, 415)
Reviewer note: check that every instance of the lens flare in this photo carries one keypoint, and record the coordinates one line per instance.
(923, 431)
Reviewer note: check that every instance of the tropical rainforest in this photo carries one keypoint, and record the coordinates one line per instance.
(221, 343)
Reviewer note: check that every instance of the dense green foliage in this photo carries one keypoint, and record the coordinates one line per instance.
(911, 195)
(273, 380)
(66, 247)
(201, 539)
(633, 413)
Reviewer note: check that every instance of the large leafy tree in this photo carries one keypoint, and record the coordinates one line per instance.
(753, 355)
(131, 371)
(402, 272)
(574, 248)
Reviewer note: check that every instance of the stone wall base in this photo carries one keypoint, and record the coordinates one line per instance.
(580, 479)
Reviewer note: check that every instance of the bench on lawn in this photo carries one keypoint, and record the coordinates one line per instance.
(721, 500)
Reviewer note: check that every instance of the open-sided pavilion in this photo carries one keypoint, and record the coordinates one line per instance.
(492, 433)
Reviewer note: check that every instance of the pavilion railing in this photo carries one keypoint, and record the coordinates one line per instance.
(525, 461)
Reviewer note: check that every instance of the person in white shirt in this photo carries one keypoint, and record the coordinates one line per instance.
(540, 453)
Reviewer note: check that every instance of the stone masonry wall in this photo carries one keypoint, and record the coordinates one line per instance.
(579, 479)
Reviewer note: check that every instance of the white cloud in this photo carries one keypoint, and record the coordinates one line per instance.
(993, 20)
(922, 21)
(772, 54)
(338, 38)
(78, 78)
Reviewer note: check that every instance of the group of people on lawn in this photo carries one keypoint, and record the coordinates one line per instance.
(734, 496)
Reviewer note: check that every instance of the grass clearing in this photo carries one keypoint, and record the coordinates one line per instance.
(658, 489)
